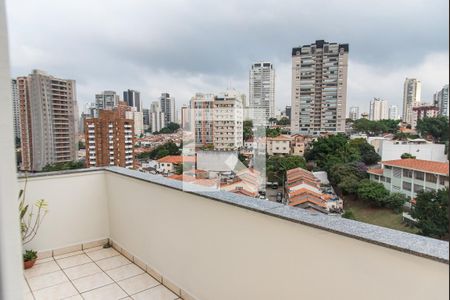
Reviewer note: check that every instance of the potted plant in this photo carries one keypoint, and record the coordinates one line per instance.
(29, 258)
(31, 217)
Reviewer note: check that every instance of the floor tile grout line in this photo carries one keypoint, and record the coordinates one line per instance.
(113, 279)
(69, 279)
(159, 283)
(29, 287)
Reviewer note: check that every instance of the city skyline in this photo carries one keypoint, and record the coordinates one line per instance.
(153, 69)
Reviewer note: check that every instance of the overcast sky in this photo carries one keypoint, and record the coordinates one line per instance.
(184, 47)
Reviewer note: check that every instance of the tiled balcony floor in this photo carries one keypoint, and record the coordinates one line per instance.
(95, 273)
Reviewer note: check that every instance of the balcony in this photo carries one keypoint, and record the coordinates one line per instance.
(218, 245)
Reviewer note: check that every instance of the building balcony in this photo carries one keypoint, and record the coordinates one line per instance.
(215, 245)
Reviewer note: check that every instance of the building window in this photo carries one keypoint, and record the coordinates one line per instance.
(397, 172)
(376, 177)
(442, 179)
(418, 188)
(388, 180)
(406, 186)
(406, 173)
(431, 178)
(419, 175)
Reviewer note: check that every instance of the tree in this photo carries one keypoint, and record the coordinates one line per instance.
(407, 155)
(395, 201)
(169, 148)
(243, 159)
(431, 212)
(61, 166)
(273, 132)
(373, 192)
(81, 145)
(324, 148)
(347, 176)
(276, 166)
(436, 127)
(170, 128)
(283, 121)
(248, 129)
(368, 154)
(348, 214)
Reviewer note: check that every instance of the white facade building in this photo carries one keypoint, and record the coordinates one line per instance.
(201, 121)
(441, 100)
(393, 112)
(106, 100)
(412, 91)
(16, 107)
(157, 118)
(378, 110)
(138, 118)
(390, 150)
(353, 113)
(319, 87)
(167, 105)
(262, 91)
(228, 121)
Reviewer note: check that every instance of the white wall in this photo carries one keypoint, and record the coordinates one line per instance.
(11, 264)
(218, 251)
(77, 209)
(389, 150)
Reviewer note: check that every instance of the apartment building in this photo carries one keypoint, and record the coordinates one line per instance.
(167, 105)
(157, 118)
(106, 100)
(138, 118)
(146, 118)
(16, 107)
(228, 121)
(353, 113)
(262, 91)
(423, 110)
(412, 91)
(185, 117)
(378, 109)
(393, 112)
(201, 109)
(48, 116)
(133, 99)
(410, 176)
(319, 87)
(441, 101)
(110, 139)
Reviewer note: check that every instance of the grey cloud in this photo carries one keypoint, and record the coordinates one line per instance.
(186, 46)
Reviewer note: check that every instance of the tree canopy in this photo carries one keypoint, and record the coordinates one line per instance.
(431, 211)
(375, 127)
(373, 192)
(436, 127)
(278, 165)
(61, 166)
(170, 128)
(169, 148)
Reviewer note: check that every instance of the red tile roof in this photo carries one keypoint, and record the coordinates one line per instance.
(176, 159)
(419, 165)
(376, 171)
(280, 138)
